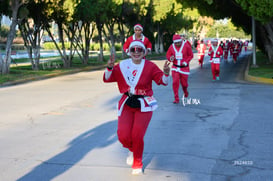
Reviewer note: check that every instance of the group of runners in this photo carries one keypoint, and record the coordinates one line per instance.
(134, 77)
(218, 51)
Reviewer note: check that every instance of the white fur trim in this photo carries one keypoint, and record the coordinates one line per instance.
(137, 43)
(138, 26)
(179, 40)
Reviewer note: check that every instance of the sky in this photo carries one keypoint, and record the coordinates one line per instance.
(5, 21)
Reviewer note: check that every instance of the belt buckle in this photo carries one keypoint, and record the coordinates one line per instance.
(130, 94)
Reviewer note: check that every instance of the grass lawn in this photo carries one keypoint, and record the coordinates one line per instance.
(53, 67)
(264, 69)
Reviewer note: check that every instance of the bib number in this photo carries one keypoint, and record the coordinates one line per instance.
(178, 56)
(216, 60)
(151, 101)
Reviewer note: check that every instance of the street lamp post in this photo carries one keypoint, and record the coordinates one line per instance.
(254, 64)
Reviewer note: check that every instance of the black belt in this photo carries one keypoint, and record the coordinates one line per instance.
(180, 66)
(132, 100)
(133, 95)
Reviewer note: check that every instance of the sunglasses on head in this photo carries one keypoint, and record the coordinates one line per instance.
(136, 49)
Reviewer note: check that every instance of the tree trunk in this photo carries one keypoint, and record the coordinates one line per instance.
(5, 64)
(36, 52)
(161, 44)
(265, 39)
(99, 27)
(58, 48)
(112, 39)
(65, 57)
(269, 45)
(122, 37)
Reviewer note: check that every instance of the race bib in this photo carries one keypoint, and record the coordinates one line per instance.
(178, 56)
(151, 101)
(216, 60)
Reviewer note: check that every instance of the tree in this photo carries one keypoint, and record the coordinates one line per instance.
(113, 13)
(240, 12)
(262, 11)
(14, 5)
(126, 20)
(85, 18)
(173, 22)
(3, 9)
(226, 30)
(31, 27)
(201, 24)
(61, 12)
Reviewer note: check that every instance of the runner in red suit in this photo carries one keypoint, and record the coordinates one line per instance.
(215, 53)
(236, 51)
(134, 77)
(226, 49)
(201, 48)
(138, 35)
(180, 54)
(246, 45)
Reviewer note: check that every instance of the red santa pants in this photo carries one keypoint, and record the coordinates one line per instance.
(201, 59)
(226, 55)
(231, 52)
(178, 79)
(215, 70)
(235, 55)
(132, 126)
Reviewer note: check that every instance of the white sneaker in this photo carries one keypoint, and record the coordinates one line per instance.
(130, 158)
(137, 171)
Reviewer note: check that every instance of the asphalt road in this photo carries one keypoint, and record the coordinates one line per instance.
(64, 129)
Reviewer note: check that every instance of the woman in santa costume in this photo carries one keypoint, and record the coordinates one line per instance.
(226, 49)
(236, 51)
(201, 48)
(134, 77)
(138, 35)
(180, 54)
(215, 53)
(246, 45)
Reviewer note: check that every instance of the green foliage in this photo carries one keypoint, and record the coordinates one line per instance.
(3, 7)
(264, 69)
(162, 7)
(262, 10)
(227, 31)
(4, 30)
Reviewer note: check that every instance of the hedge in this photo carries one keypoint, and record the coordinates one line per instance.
(93, 46)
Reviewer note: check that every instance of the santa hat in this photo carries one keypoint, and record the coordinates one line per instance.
(138, 26)
(137, 43)
(177, 38)
(214, 40)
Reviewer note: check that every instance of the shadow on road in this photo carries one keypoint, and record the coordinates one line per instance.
(101, 136)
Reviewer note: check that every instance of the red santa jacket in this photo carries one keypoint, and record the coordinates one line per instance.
(144, 39)
(187, 55)
(226, 46)
(201, 48)
(142, 85)
(215, 54)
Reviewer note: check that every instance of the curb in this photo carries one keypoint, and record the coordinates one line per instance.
(93, 68)
(99, 67)
(251, 78)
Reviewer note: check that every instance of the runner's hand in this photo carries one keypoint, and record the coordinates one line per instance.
(111, 61)
(166, 68)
